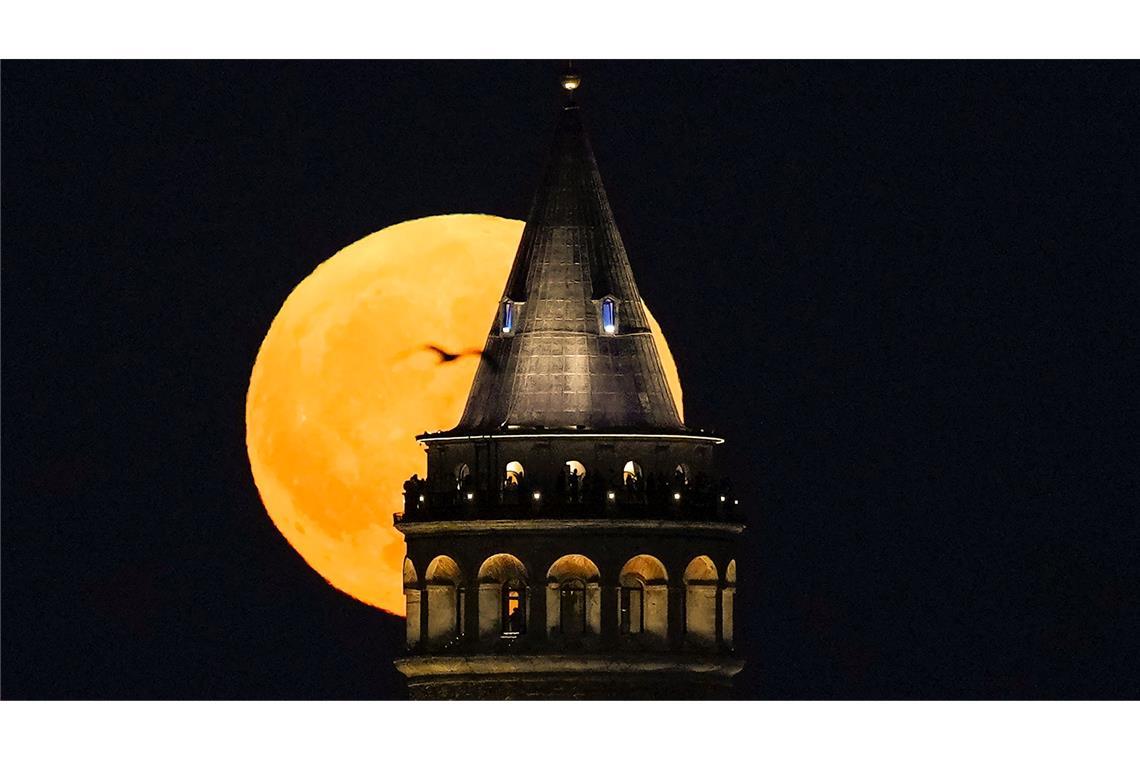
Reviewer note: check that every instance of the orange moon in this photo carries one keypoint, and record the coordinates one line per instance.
(342, 385)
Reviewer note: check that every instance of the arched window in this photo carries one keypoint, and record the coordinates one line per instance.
(727, 603)
(411, 604)
(631, 474)
(444, 600)
(502, 597)
(609, 315)
(509, 313)
(462, 477)
(514, 475)
(573, 597)
(644, 601)
(700, 602)
(409, 574)
(573, 475)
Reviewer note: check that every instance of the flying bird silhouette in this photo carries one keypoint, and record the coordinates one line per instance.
(448, 356)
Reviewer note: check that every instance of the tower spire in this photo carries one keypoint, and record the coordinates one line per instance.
(589, 537)
(571, 345)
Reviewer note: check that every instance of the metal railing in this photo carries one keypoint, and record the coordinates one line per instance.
(687, 501)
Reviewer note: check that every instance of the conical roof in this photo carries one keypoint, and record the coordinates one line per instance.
(557, 366)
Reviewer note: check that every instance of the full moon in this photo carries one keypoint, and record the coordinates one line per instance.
(343, 383)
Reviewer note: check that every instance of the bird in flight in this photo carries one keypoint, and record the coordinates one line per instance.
(448, 356)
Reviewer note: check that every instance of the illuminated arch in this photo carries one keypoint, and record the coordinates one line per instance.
(631, 473)
(573, 597)
(503, 604)
(644, 601)
(728, 603)
(500, 568)
(645, 569)
(513, 474)
(701, 570)
(443, 581)
(700, 602)
(411, 604)
(443, 569)
(573, 566)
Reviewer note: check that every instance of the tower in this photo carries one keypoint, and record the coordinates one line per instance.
(573, 538)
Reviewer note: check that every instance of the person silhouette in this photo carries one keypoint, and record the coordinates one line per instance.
(413, 487)
(515, 620)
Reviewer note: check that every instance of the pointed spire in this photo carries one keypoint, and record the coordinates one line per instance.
(570, 346)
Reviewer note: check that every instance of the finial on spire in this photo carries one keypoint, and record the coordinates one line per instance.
(570, 80)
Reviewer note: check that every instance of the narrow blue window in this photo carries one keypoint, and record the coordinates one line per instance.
(609, 315)
(508, 316)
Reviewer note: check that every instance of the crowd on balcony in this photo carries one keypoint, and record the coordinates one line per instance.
(576, 490)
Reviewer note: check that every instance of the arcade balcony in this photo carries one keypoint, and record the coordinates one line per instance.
(698, 500)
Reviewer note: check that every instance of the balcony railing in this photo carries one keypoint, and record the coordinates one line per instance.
(704, 502)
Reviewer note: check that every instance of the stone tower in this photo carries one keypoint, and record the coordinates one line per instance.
(572, 537)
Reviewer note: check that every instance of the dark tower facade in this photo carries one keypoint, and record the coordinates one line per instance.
(573, 538)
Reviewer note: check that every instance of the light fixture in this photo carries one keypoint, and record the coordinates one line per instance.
(676, 496)
(536, 496)
(722, 498)
(470, 496)
(421, 498)
(611, 495)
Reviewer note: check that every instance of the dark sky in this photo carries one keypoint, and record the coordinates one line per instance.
(904, 292)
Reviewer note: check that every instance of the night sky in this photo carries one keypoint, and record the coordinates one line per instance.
(904, 292)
